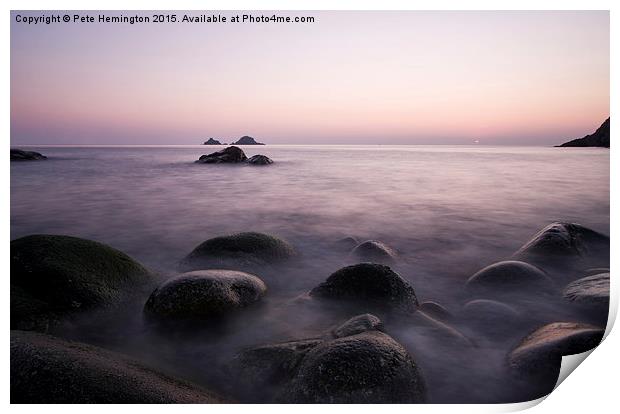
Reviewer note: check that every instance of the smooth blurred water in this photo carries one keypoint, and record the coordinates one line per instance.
(449, 211)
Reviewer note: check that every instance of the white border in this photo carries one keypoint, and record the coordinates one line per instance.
(592, 389)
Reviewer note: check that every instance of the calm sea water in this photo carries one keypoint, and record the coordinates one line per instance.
(448, 211)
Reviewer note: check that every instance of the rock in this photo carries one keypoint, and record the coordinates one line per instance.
(510, 277)
(47, 370)
(369, 367)
(346, 244)
(229, 155)
(591, 292)
(21, 155)
(560, 241)
(212, 141)
(595, 271)
(370, 286)
(537, 358)
(358, 324)
(260, 160)
(203, 294)
(438, 330)
(435, 310)
(600, 138)
(360, 367)
(246, 140)
(53, 276)
(491, 317)
(243, 249)
(374, 251)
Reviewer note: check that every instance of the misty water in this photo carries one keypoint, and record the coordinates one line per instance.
(448, 211)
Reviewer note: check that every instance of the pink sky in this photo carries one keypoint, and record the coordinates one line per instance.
(349, 78)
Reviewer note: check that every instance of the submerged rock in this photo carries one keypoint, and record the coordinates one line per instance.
(374, 251)
(246, 140)
(370, 286)
(21, 155)
(491, 317)
(508, 277)
(260, 160)
(560, 241)
(346, 244)
(537, 358)
(227, 155)
(48, 370)
(358, 324)
(53, 276)
(366, 366)
(203, 294)
(435, 310)
(242, 248)
(591, 292)
(212, 141)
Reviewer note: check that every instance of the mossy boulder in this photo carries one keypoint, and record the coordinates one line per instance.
(374, 251)
(203, 294)
(537, 358)
(354, 363)
(510, 277)
(370, 286)
(53, 276)
(48, 370)
(244, 249)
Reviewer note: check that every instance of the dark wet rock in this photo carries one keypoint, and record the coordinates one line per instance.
(358, 324)
(370, 286)
(21, 155)
(346, 244)
(362, 367)
(53, 276)
(600, 138)
(370, 367)
(246, 140)
(260, 160)
(229, 155)
(491, 317)
(45, 369)
(508, 277)
(537, 358)
(203, 294)
(590, 292)
(212, 141)
(435, 310)
(243, 249)
(561, 241)
(374, 251)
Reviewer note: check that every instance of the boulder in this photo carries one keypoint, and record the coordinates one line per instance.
(537, 358)
(370, 286)
(591, 292)
(203, 294)
(374, 251)
(53, 276)
(369, 367)
(561, 241)
(346, 244)
(229, 155)
(244, 249)
(491, 317)
(508, 277)
(246, 140)
(260, 160)
(355, 363)
(48, 370)
(358, 324)
(21, 155)
(435, 310)
(212, 141)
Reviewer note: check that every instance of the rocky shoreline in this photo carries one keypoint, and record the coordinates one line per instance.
(57, 278)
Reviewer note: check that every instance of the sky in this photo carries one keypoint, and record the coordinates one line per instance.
(501, 77)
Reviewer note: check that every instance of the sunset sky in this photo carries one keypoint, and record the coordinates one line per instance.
(349, 78)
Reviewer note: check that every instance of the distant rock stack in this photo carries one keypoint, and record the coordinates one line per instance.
(600, 138)
(246, 140)
(21, 155)
(212, 141)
